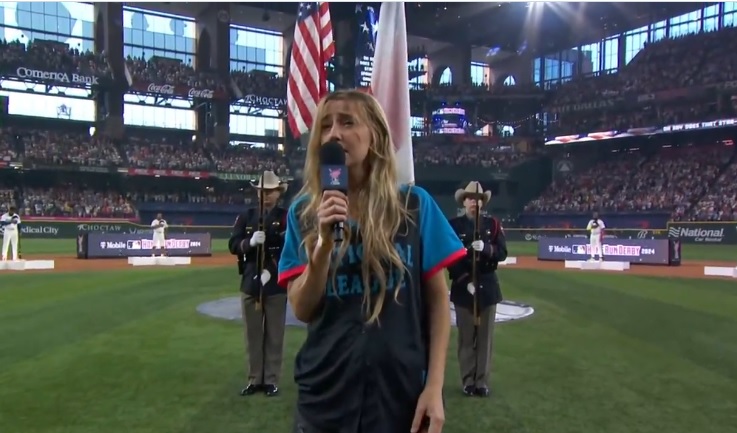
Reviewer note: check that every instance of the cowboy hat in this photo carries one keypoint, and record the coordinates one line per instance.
(270, 181)
(470, 191)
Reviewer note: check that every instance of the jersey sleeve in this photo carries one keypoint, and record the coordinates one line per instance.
(153, 223)
(601, 224)
(440, 245)
(588, 226)
(293, 260)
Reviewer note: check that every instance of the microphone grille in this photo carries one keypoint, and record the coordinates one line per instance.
(332, 153)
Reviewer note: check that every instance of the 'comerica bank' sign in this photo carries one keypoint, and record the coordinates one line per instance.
(58, 77)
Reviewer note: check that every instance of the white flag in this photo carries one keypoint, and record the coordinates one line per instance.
(390, 84)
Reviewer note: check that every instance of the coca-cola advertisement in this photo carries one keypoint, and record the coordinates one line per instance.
(178, 91)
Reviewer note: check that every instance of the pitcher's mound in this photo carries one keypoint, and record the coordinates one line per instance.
(230, 309)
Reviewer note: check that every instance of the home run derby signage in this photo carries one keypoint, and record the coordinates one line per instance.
(533, 235)
(635, 251)
(116, 245)
(230, 309)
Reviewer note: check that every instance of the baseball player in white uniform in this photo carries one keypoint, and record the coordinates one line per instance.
(9, 222)
(596, 237)
(159, 227)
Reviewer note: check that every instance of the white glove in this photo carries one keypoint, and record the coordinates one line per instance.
(258, 238)
(265, 276)
(471, 289)
(478, 245)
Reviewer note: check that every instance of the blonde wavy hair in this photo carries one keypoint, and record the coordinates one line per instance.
(379, 209)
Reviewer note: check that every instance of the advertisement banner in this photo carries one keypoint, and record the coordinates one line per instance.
(179, 90)
(118, 245)
(70, 229)
(634, 251)
(710, 124)
(534, 235)
(265, 102)
(704, 232)
(164, 173)
(57, 77)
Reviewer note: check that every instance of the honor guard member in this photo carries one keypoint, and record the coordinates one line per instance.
(475, 337)
(263, 302)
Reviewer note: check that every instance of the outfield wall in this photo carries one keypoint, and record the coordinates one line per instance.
(724, 233)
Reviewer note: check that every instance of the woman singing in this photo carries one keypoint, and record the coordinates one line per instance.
(376, 304)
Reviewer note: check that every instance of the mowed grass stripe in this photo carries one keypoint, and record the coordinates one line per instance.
(111, 300)
(715, 297)
(705, 339)
(585, 376)
(35, 290)
(176, 363)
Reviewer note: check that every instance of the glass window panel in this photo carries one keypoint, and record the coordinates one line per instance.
(159, 40)
(50, 8)
(729, 20)
(446, 77)
(730, 7)
(49, 24)
(37, 7)
(711, 11)
(711, 24)
(148, 39)
(137, 37)
(657, 34)
(611, 58)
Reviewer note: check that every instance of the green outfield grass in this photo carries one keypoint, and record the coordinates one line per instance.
(57, 247)
(125, 352)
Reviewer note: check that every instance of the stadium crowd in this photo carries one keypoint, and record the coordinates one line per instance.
(70, 201)
(56, 148)
(156, 151)
(720, 204)
(672, 180)
(654, 79)
(51, 55)
(174, 72)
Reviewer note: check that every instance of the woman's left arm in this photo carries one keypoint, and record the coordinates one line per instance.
(438, 305)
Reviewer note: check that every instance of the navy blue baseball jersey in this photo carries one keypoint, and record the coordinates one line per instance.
(358, 377)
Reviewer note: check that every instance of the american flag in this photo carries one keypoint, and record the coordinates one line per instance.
(312, 47)
(365, 44)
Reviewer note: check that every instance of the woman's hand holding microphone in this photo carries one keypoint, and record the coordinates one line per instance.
(333, 209)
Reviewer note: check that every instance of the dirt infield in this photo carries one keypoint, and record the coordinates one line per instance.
(688, 269)
(72, 264)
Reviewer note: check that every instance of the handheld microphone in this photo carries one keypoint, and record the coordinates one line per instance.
(334, 176)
